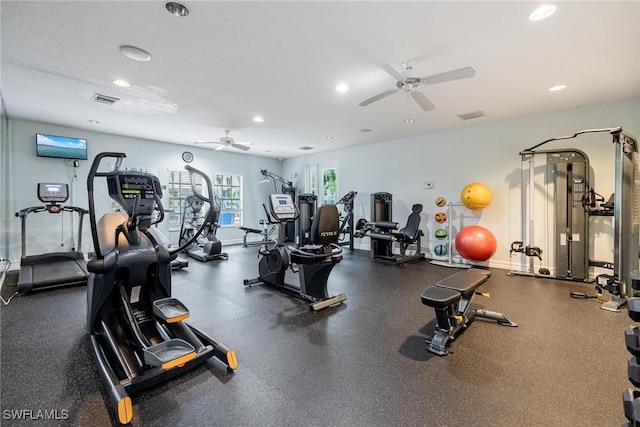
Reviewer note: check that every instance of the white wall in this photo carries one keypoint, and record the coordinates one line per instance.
(45, 232)
(482, 152)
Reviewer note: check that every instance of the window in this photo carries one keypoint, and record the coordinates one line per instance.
(229, 189)
(322, 180)
(330, 185)
(178, 189)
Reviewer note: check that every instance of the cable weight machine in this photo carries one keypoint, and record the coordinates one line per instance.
(575, 202)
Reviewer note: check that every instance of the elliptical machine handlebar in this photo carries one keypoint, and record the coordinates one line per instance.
(93, 172)
(193, 171)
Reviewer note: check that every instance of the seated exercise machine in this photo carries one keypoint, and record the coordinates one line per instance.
(451, 298)
(137, 330)
(266, 232)
(208, 247)
(383, 232)
(315, 260)
(54, 269)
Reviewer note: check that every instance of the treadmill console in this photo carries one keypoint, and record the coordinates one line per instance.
(49, 192)
(282, 207)
(126, 187)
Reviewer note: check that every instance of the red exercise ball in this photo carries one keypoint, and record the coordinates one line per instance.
(476, 243)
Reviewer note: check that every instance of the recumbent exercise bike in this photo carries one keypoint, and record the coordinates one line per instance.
(314, 260)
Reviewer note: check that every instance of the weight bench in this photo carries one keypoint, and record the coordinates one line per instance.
(451, 299)
(266, 233)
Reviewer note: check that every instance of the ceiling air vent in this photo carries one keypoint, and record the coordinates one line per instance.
(472, 115)
(104, 99)
(306, 148)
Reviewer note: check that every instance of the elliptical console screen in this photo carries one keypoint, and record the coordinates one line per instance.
(49, 192)
(282, 206)
(127, 187)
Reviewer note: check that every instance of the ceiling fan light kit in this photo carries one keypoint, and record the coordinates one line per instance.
(410, 84)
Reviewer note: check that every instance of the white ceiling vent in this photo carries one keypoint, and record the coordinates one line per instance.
(306, 148)
(472, 115)
(104, 99)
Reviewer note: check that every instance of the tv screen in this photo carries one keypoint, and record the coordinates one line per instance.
(61, 147)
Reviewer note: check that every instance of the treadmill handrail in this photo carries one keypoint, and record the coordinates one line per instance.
(22, 214)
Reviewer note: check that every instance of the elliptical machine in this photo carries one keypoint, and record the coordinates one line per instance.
(137, 329)
(314, 260)
(210, 248)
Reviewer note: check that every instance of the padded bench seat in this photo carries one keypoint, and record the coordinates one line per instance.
(449, 290)
(465, 281)
(451, 298)
(437, 297)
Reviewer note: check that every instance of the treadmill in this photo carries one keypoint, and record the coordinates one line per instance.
(54, 269)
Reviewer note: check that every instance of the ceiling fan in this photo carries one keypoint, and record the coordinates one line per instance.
(410, 84)
(227, 141)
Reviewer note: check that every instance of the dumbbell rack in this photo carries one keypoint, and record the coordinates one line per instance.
(631, 396)
(448, 262)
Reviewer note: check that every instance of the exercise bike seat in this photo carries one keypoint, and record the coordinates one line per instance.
(323, 238)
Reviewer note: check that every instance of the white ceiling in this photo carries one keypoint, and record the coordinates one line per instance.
(228, 61)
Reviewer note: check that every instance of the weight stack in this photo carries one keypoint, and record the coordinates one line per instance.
(631, 396)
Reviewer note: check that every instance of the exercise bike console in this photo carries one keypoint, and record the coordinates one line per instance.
(282, 208)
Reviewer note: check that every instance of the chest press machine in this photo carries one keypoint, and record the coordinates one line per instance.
(451, 298)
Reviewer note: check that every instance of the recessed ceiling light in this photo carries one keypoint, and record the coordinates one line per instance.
(557, 88)
(365, 130)
(408, 121)
(122, 83)
(258, 119)
(176, 9)
(94, 122)
(542, 12)
(342, 87)
(135, 53)
(329, 138)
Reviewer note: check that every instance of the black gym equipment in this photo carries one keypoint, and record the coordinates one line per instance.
(286, 188)
(346, 222)
(575, 203)
(54, 269)
(137, 330)
(383, 232)
(314, 261)
(266, 232)
(208, 247)
(306, 203)
(631, 397)
(451, 299)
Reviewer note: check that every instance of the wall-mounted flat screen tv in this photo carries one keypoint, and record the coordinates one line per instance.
(61, 147)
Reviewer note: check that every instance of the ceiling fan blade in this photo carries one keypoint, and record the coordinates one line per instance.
(392, 71)
(422, 101)
(240, 146)
(377, 97)
(447, 76)
(206, 142)
(219, 147)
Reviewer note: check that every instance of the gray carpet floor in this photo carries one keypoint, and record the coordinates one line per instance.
(363, 363)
